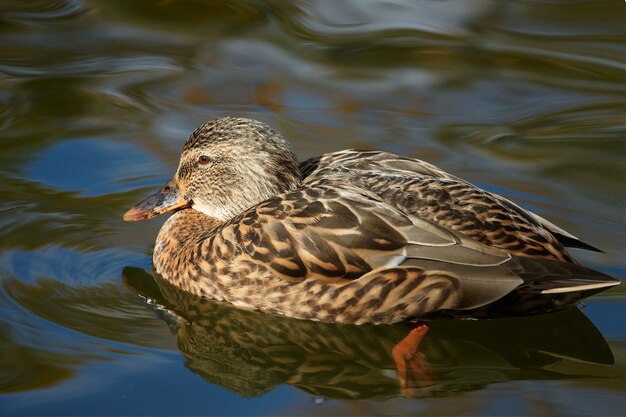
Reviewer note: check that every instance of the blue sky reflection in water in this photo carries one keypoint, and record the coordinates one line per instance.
(97, 97)
(91, 166)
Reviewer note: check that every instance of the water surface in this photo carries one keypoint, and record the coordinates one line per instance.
(524, 98)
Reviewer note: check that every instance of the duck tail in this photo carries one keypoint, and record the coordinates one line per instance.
(586, 285)
(553, 285)
(553, 277)
(547, 286)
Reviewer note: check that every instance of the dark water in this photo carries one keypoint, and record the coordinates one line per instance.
(525, 98)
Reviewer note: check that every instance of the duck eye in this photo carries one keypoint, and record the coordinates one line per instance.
(203, 159)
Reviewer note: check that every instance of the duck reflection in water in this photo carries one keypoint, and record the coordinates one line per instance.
(250, 352)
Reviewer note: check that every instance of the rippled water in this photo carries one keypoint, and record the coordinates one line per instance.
(524, 98)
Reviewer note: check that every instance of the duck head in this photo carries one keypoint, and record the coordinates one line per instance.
(226, 166)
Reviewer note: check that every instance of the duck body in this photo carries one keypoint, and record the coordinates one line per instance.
(352, 236)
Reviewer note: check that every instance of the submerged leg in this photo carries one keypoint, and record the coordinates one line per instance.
(410, 363)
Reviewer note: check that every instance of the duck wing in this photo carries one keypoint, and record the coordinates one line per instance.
(342, 255)
(423, 190)
(362, 160)
(565, 238)
(344, 233)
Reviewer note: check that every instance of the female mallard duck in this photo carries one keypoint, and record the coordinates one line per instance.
(351, 236)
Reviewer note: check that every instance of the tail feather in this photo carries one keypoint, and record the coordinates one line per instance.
(519, 286)
(572, 285)
(547, 274)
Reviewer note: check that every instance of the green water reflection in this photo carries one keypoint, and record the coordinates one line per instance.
(524, 98)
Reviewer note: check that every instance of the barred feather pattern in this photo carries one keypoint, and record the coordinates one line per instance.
(422, 190)
(315, 254)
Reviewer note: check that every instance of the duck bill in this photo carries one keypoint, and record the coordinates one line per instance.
(168, 198)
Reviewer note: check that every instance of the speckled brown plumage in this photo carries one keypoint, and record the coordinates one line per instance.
(348, 237)
(423, 190)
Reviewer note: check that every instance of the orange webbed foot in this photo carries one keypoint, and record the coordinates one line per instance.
(411, 364)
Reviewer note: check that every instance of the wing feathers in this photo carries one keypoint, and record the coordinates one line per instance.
(456, 255)
(347, 238)
(426, 192)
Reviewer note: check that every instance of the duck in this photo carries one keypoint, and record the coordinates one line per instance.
(353, 236)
